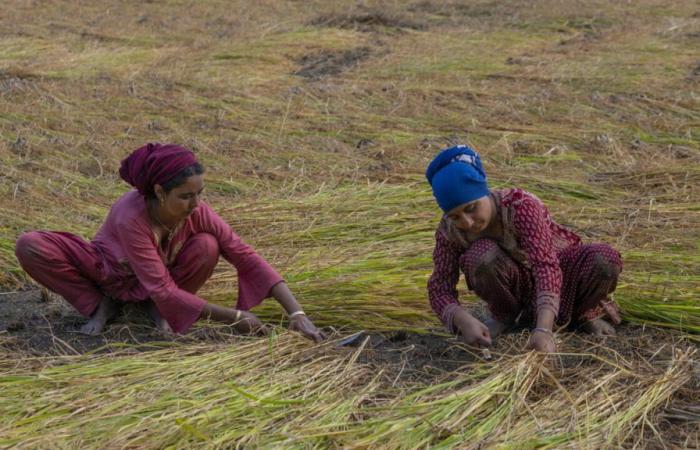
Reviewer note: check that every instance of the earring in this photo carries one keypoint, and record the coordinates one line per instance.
(162, 201)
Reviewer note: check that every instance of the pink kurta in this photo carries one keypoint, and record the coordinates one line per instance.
(126, 262)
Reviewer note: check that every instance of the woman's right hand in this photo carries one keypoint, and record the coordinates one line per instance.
(542, 342)
(302, 324)
(472, 330)
(248, 323)
(243, 321)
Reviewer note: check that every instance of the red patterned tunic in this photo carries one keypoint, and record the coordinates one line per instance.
(534, 251)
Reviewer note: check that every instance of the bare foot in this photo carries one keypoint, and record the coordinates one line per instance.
(160, 322)
(599, 327)
(105, 311)
(496, 327)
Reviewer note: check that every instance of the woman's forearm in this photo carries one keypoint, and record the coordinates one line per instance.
(219, 313)
(545, 319)
(284, 296)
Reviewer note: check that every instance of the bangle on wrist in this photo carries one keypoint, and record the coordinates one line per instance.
(297, 313)
(543, 330)
(238, 315)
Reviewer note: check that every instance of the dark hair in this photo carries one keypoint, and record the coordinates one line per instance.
(182, 176)
(454, 234)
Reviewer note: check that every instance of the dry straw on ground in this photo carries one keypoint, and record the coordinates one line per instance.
(283, 392)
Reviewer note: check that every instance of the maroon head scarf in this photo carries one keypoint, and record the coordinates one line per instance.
(154, 164)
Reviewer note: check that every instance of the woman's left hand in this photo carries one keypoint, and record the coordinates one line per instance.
(302, 324)
(542, 342)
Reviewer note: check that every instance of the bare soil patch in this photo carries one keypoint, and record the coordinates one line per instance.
(15, 82)
(369, 21)
(327, 63)
(32, 322)
(694, 74)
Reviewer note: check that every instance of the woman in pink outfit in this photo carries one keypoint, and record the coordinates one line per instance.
(159, 244)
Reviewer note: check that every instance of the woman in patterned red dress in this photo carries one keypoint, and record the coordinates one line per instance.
(159, 244)
(526, 267)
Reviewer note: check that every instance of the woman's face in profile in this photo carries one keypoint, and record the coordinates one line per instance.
(473, 217)
(181, 201)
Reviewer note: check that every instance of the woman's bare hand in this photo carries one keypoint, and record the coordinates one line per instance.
(302, 324)
(542, 342)
(472, 330)
(248, 323)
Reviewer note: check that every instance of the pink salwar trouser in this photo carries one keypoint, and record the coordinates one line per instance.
(73, 268)
(589, 275)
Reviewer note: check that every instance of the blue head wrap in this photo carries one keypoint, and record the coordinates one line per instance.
(457, 176)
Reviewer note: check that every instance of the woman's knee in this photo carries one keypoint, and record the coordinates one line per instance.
(28, 247)
(481, 257)
(483, 265)
(206, 247)
(196, 262)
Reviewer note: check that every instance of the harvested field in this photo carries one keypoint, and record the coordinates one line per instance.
(315, 121)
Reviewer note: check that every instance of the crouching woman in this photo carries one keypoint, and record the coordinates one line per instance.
(526, 267)
(159, 244)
